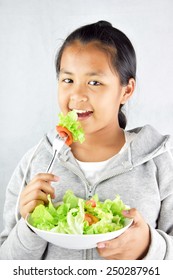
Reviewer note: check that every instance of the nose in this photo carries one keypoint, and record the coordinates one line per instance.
(79, 94)
(78, 98)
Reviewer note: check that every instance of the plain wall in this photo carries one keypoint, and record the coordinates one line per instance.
(30, 34)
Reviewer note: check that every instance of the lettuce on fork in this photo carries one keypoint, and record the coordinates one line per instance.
(78, 216)
(71, 123)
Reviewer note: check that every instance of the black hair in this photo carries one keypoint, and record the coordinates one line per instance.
(115, 43)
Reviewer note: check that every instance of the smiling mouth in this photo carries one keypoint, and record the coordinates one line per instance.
(82, 114)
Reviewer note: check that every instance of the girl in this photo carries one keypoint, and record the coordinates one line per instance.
(96, 68)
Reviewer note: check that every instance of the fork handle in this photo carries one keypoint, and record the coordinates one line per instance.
(49, 169)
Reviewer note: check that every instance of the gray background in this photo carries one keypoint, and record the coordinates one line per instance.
(30, 34)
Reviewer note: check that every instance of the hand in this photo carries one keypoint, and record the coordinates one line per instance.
(36, 192)
(132, 244)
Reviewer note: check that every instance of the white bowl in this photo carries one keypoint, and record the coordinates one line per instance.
(78, 241)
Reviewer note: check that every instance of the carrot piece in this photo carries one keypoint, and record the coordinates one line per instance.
(63, 132)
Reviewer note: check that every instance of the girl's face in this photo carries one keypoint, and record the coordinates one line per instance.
(89, 85)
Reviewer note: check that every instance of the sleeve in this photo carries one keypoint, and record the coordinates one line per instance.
(161, 247)
(17, 241)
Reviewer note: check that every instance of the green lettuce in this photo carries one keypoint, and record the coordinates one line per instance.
(44, 217)
(69, 216)
(73, 125)
(109, 214)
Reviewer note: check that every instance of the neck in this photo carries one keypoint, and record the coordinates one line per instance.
(100, 145)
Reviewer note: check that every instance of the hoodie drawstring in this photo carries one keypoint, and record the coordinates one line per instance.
(24, 179)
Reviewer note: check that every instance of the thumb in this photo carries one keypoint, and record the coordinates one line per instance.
(132, 214)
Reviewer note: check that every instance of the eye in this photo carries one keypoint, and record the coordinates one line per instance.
(94, 83)
(68, 81)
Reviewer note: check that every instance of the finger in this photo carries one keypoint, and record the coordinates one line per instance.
(39, 179)
(48, 177)
(24, 211)
(132, 214)
(38, 185)
(36, 195)
(113, 243)
(105, 249)
(112, 249)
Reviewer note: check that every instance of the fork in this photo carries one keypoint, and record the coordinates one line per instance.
(57, 145)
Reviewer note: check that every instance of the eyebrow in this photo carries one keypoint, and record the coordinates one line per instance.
(98, 73)
(63, 71)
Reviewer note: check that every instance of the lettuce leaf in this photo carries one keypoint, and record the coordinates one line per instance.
(71, 199)
(69, 217)
(73, 125)
(75, 218)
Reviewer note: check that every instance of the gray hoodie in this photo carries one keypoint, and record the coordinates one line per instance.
(142, 175)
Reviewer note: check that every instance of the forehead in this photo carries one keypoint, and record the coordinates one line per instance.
(92, 54)
(77, 48)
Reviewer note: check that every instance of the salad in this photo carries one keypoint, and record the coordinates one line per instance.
(70, 126)
(78, 216)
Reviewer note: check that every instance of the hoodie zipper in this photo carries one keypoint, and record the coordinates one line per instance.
(89, 252)
(88, 187)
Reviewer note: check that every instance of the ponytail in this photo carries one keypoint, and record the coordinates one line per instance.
(122, 118)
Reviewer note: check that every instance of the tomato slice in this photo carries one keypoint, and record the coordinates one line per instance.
(92, 202)
(91, 219)
(63, 132)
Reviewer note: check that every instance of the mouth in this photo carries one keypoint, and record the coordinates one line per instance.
(83, 114)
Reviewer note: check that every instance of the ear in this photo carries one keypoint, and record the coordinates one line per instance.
(127, 91)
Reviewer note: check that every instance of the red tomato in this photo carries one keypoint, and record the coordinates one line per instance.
(63, 131)
(91, 219)
(92, 202)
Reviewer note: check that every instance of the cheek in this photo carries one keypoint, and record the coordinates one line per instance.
(106, 104)
(62, 99)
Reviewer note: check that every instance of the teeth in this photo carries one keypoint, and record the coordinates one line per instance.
(80, 111)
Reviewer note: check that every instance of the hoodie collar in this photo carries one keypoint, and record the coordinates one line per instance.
(147, 144)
